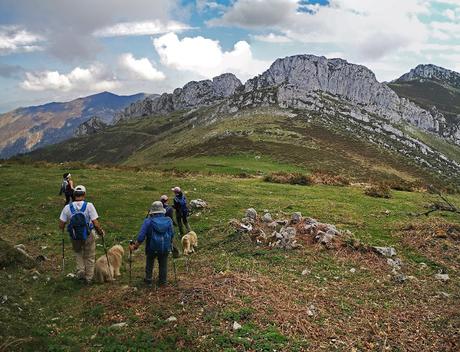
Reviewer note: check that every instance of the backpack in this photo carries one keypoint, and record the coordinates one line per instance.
(182, 201)
(159, 239)
(64, 185)
(78, 227)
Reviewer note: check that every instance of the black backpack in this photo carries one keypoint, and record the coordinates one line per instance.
(78, 227)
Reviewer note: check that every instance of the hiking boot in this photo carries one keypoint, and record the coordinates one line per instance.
(148, 283)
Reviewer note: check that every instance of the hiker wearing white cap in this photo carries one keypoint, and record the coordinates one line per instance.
(168, 209)
(157, 230)
(83, 222)
(180, 204)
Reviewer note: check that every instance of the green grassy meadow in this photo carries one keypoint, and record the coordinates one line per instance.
(229, 278)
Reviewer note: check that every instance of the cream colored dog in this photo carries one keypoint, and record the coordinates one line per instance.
(102, 273)
(189, 243)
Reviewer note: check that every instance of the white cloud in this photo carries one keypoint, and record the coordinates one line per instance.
(272, 38)
(14, 39)
(140, 28)
(206, 57)
(140, 68)
(93, 78)
(365, 29)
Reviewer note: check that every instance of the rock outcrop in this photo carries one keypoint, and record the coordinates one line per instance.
(292, 81)
(93, 125)
(194, 94)
(432, 72)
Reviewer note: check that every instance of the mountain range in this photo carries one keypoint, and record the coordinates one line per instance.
(306, 110)
(29, 128)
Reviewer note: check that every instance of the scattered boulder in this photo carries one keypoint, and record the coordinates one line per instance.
(296, 218)
(198, 204)
(311, 310)
(385, 251)
(305, 272)
(171, 319)
(395, 263)
(352, 270)
(119, 325)
(236, 326)
(399, 277)
(14, 256)
(267, 218)
(442, 277)
(251, 214)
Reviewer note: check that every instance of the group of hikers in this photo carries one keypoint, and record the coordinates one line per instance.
(157, 230)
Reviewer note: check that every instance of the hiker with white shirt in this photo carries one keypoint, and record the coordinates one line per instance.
(82, 224)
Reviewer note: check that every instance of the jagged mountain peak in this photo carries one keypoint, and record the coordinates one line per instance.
(431, 72)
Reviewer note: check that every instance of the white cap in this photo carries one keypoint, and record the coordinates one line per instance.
(176, 189)
(164, 198)
(80, 189)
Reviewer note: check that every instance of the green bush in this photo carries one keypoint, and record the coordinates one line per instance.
(378, 191)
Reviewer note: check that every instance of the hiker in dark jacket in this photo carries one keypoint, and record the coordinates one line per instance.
(180, 205)
(67, 188)
(158, 232)
(169, 211)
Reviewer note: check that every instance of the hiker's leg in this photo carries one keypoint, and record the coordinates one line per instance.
(149, 258)
(90, 256)
(78, 250)
(163, 271)
(67, 199)
(179, 224)
(187, 226)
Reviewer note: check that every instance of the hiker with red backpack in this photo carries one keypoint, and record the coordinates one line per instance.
(67, 187)
(82, 224)
(180, 205)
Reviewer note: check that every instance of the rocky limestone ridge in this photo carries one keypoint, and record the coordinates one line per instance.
(292, 81)
(193, 94)
(93, 125)
(434, 72)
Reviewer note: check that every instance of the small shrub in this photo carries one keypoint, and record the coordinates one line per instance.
(327, 178)
(378, 191)
(288, 178)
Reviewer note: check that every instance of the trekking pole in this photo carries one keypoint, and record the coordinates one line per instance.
(106, 256)
(130, 260)
(174, 267)
(63, 255)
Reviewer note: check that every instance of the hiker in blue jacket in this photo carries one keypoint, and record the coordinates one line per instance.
(158, 232)
(180, 205)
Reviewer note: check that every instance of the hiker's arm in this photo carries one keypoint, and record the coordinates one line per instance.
(98, 227)
(141, 235)
(61, 225)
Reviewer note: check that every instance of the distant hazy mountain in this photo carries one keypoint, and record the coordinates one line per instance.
(26, 129)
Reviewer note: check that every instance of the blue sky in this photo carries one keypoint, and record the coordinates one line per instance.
(58, 50)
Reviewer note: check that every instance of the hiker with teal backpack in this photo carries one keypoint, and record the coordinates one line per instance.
(180, 205)
(82, 224)
(157, 232)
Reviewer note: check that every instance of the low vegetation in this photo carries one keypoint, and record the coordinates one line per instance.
(305, 299)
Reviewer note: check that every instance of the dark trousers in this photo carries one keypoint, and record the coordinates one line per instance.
(181, 219)
(162, 264)
(68, 197)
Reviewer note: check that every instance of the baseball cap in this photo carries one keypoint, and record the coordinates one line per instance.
(176, 189)
(80, 189)
(164, 198)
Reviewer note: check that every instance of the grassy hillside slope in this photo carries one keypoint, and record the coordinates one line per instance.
(183, 142)
(229, 279)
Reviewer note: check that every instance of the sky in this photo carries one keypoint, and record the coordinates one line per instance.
(58, 50)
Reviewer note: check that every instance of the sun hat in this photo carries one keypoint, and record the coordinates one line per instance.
(164, 198)
(79, 190)
(176, 189)
(157, 208)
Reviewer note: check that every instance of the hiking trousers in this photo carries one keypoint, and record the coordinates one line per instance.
(181, 219)
(162, 264)
(85, 255)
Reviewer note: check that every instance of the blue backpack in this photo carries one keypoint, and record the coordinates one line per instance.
(182, 201)
(78, 227)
